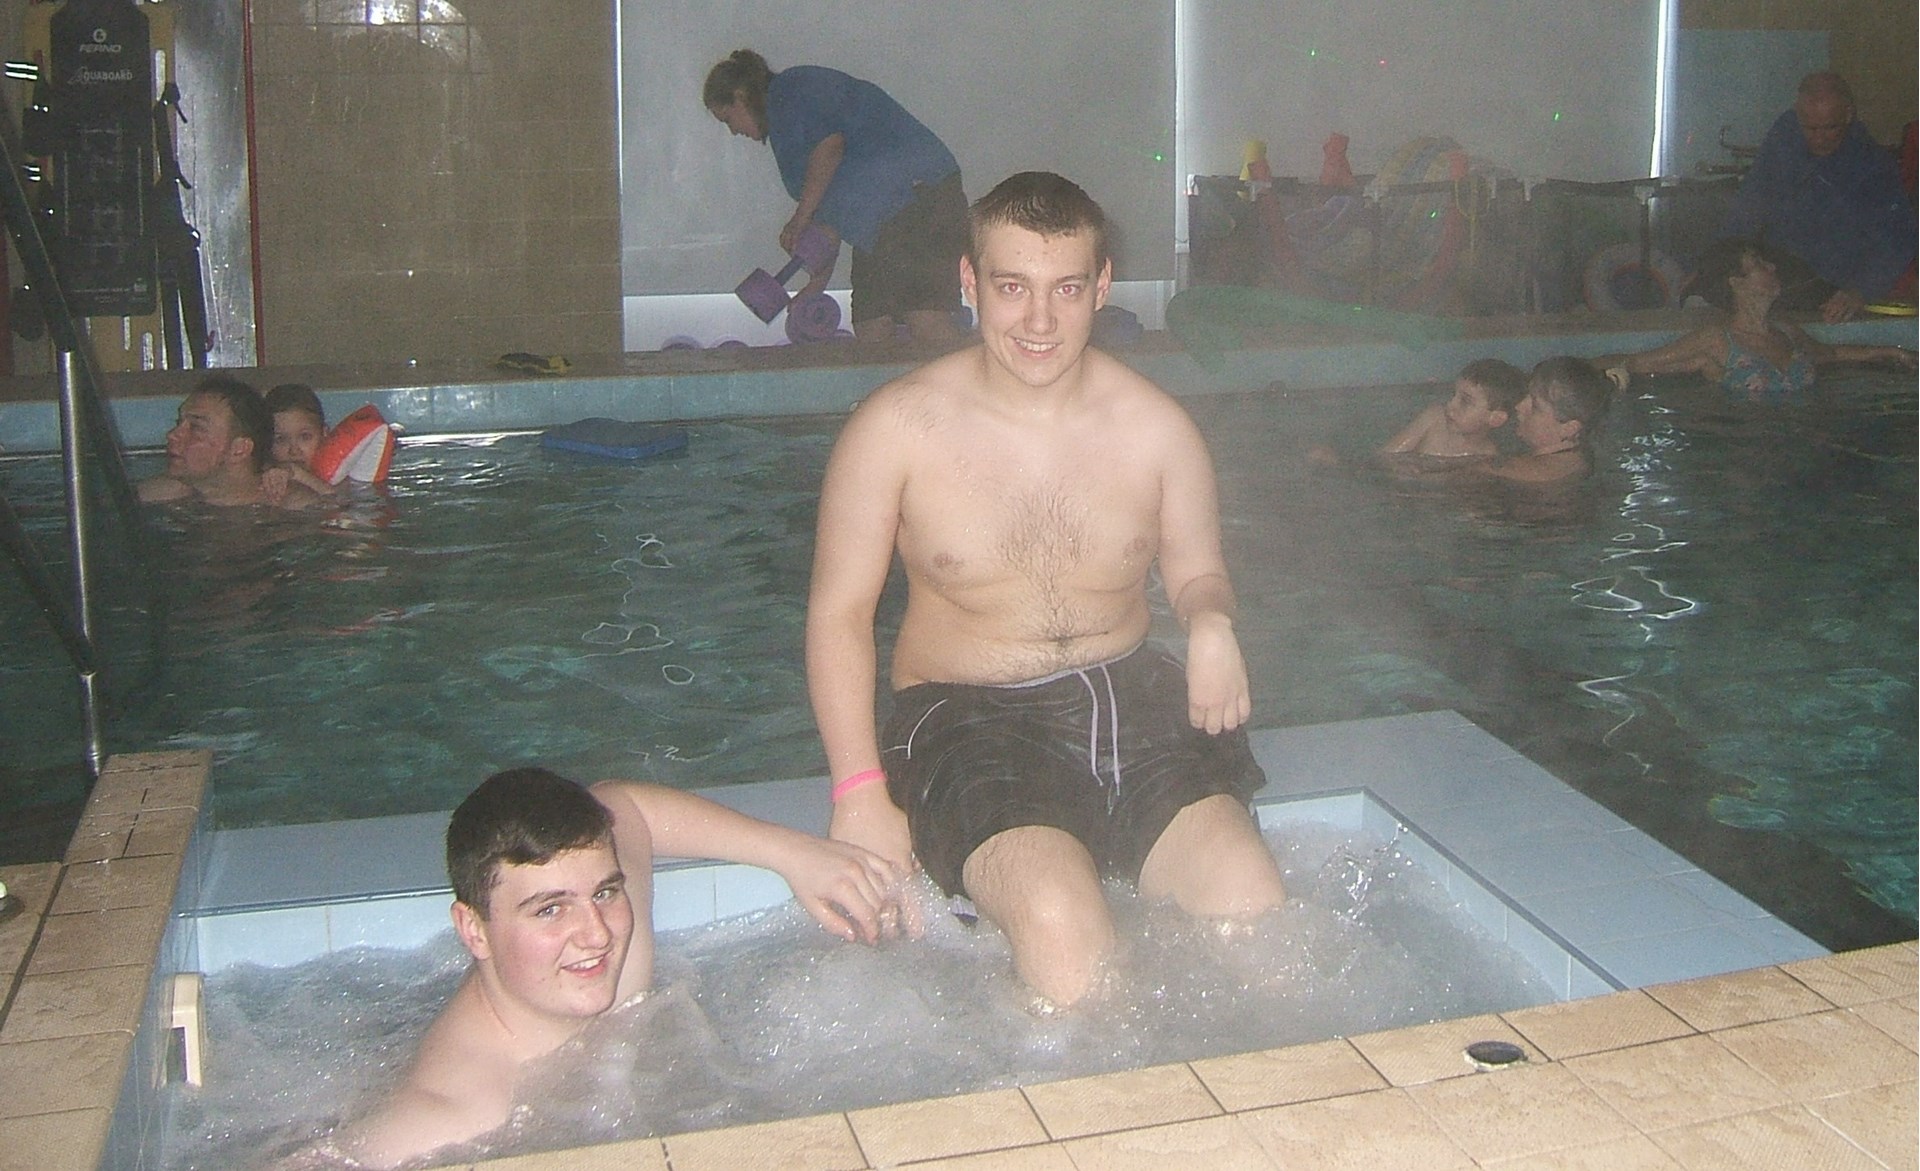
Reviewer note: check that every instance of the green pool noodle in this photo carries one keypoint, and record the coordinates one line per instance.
(1209, 320)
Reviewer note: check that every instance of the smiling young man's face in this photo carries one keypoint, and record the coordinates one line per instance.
(555, 935)
(1036, 296)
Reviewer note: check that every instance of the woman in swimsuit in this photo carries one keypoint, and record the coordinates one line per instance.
(1754, 358)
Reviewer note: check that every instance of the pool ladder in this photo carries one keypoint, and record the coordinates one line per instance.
(90, 449)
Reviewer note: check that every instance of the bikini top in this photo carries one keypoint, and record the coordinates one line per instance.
(1751, 375)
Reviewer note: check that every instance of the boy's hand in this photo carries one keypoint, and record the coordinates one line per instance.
(274, 483)
(853, 892)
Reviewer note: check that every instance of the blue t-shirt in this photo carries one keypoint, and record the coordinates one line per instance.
(1845, 214)
(888, 150)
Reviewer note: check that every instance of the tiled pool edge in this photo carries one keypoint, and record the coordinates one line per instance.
(92, 917)
(1535, 862)
(706, 386)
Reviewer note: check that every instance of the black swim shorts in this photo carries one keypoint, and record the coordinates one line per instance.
(915, 261)
(1104, 753)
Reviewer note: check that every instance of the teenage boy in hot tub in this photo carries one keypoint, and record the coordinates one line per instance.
(553, 895)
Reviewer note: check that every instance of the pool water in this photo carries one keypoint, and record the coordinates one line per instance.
(766, 1017)
(1714, 635)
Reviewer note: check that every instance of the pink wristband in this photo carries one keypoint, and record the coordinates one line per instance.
(848, 785)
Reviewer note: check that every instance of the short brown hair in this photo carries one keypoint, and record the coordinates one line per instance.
(520, 817)
(1041, 202)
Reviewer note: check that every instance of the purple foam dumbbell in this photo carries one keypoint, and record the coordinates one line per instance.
(766, 293)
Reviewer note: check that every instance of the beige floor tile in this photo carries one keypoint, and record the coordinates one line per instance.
(1217, 1144)
(944, 1127)
(819, 1143)
(70, 1004)
(1787, 1137)
(1519, 1111)
(1380, 1131)
(1120, 1101)
(1738, 998)
(1407, 1057)
(647, 1154)
(99, 939)
(1635, 1152)
(1875, 973)
(1883, 1120)
(173, 788)
(112, 884)
(1826, 1053)
(33, 886)
(1299, 1073)
(1597, 1023)
(1052, 1157)
(63, 1073)
(1676, 1083)
(162, 831)
(72, 1140)
(1896, 1018)
(92, 841)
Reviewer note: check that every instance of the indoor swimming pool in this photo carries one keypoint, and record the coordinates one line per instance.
(1712, 636)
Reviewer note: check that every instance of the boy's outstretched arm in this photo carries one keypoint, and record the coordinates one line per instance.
(848, 890)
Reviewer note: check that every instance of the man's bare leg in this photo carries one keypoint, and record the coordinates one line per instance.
(1212, 862)
(1040, 886)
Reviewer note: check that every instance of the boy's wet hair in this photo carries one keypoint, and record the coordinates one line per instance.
(1576, 389)
(519, 817)
(1505, 383)
(296, 396)
(1043, 203)
(251, 418)
(745, 73)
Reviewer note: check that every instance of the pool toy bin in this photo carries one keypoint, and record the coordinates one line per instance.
(1520, 246)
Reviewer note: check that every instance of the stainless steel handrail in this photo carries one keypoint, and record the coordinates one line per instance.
(86, 425)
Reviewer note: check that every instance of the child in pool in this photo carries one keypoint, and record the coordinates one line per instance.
(299, 424)
(1462, 427)
(552, 886)
(1565, 400)
(1456, 428)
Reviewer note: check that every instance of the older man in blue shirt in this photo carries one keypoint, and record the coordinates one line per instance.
(1823, 192)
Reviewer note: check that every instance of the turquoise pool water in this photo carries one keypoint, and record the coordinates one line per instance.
(1714, 635)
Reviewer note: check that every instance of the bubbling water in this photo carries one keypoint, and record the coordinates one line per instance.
(766, 1017)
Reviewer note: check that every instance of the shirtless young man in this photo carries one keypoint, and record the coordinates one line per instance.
(550, 880)
(220, 444)
(1029, 484)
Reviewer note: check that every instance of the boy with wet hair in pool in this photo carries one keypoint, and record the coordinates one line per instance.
(553, 896)
(1566, 399)
(1462, 426)
(218, 450)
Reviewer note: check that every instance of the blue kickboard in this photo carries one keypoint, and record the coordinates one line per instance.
(613, 439)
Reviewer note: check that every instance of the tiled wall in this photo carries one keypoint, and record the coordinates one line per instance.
(437, 179)
(1872, 43)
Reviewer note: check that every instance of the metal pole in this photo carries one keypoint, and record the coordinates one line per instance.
(72, 454)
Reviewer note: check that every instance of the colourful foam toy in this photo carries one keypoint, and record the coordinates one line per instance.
(614, 439)
(360, 447)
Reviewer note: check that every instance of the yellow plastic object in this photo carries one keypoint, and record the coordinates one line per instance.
(1891, 308)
